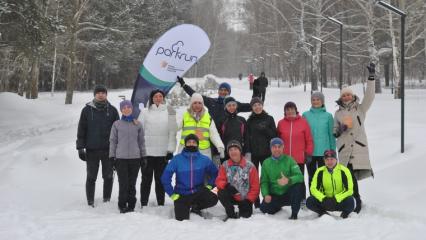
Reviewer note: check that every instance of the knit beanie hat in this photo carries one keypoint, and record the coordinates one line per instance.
(228, 100)
(125, 103)
(191, 137)
(255, 100)
(276, 141)
(329, 153)
(290, 105)
(196, 97)
(319, 95)
(233, 143)
(99, 88)
(346, 90)
(226, 86)
(153, 92)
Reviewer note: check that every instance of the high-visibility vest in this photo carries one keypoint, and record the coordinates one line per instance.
(200, 128)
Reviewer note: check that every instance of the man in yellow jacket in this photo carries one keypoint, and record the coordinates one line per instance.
(332, 188)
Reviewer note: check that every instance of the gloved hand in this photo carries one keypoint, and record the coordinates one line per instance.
(113, 163)
(341, 129)
(247, 156)
(308, 159)
(181, 81)
(231, 189)
(246, 203)
(144, 163)
(175, 196)
(329, 203)
(371, 71)
(221, 152)
(82, 154)
(209, 187)
(169, 156)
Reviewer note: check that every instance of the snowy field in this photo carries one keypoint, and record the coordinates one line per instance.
(42, 180)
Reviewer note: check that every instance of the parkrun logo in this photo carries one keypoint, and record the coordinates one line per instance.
(174, 52)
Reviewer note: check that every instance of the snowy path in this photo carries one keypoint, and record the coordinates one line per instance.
(42, 179)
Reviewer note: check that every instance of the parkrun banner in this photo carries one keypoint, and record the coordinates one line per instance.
(172, 55)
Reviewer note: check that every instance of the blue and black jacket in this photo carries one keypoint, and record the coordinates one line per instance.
(190, 169)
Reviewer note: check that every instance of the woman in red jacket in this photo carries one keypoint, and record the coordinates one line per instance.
(238, 183)
(296, 134)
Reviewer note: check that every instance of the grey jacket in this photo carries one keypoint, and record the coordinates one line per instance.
(352, 144)
(126, 140)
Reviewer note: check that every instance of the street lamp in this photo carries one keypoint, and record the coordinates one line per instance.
(341, 49)
(402, 77)
(321, 41)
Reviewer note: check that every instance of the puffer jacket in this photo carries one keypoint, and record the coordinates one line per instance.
(297, 137)
(352, 145)
(94, 126)
(191, 169)
(243, 176)
(322, 124)
(160, 127)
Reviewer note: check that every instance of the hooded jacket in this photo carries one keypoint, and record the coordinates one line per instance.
(352, 145)
(261, 129)
(297, 137)
(321, 123)
(94, 126)
(127, 140)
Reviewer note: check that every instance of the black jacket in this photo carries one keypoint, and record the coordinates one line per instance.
(261, 129)
(234, 127)
(95, 125)
(260, 83)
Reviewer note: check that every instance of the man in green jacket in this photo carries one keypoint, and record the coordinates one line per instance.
(332, 188)
(280, 182)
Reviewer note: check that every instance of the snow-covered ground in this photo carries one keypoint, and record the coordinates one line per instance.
(42, 180)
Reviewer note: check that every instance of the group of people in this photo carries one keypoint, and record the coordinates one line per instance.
(219, 153)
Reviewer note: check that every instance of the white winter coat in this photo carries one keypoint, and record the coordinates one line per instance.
(159, 123)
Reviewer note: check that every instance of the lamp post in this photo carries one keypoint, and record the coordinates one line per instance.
(402, 77)
(341, 49)
(321, 41)
(263, 63)
(279, 63)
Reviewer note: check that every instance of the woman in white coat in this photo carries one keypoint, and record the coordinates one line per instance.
(197, 120)
(159, 122)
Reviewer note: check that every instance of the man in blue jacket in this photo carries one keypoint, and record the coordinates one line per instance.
(190, 194)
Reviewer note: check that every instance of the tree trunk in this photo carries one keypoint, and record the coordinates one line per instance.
(35, 70)
(386, 73)
(70, 82)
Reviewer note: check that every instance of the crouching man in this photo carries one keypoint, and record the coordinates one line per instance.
(190, 194)
(238, 183)
(331, 188)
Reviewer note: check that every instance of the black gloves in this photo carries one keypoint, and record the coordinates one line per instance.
(329, 204)
(169, 156)
(371, 71)
(231, 189)
(82, 154)
(181, 81)
(341, 129)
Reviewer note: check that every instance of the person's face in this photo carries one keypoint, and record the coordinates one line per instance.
(158, 98)
(316, 102)
(223, 92)
(197, 106)
(347, 97)
(235, 154)
(257, 108)
(126, 111)
(277, 150)
(101, 96)
(290, 112)
(191, 142)
(330, 162)
(231, 107)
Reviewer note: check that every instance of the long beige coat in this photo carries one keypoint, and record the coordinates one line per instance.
(352, 144)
